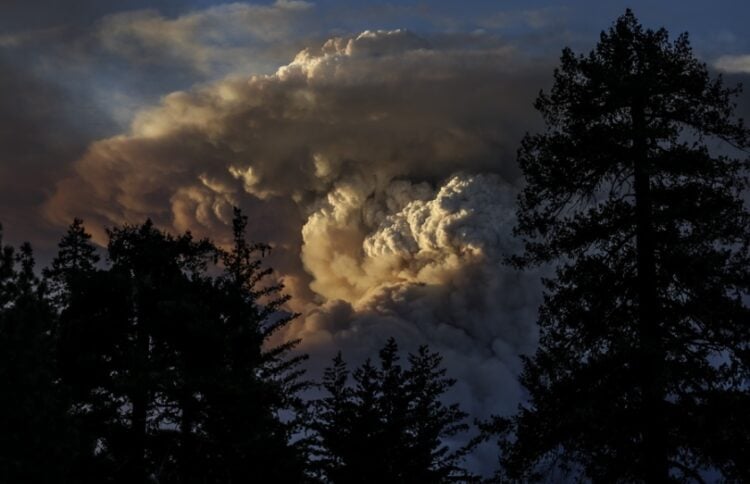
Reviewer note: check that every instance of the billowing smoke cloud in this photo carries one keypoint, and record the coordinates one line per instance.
(382, 169)
(427, 266)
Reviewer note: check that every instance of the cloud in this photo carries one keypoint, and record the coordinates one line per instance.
(226, 37)
(427, 266)
(14, 40)
(379, 105)
(382, 168)
(733, 64)
(37, 143)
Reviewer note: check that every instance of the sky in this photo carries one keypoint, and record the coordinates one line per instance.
(371, 143)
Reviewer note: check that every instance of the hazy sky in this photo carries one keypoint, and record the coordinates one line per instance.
(372, 143)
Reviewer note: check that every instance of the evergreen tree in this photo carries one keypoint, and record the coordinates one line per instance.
(334, 436)
(122, 328)
(166, 359)
(88, 303)
(171, 312)
(642, 368)
(254, 408)
(76, 258)
(391, 426)
(36, 436)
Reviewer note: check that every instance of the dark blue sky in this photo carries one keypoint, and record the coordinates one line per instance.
(716, 24)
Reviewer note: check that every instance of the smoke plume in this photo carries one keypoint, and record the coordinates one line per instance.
(380, 167)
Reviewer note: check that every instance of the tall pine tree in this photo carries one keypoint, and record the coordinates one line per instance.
(88, 303)
(254, 410)
(642, 368)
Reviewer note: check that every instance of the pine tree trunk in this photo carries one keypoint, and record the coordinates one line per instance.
(139, 438)
(655, 458)
(186, 433)
(139, 400)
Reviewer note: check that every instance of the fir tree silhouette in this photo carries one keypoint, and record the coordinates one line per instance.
(642, 370)
(391, 425)
(37, 438)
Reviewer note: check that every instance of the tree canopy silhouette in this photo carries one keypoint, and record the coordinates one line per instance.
(391, 426)
(33, 408)
(156, 365)
(168, 360)
(642, 369)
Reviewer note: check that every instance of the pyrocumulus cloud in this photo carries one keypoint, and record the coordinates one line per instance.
(381, 168)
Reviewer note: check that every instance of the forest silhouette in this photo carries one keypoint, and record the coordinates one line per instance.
(157, 363)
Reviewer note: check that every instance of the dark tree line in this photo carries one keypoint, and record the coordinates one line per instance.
(390, 426)
(34, 420)
(155, 366)
(158, 368)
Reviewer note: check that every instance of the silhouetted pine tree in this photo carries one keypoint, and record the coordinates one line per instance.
(391, 426)
(253, 407)
(151, 309)
(36, 436)
(90, 308)
(76, 258)
(642, 369)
